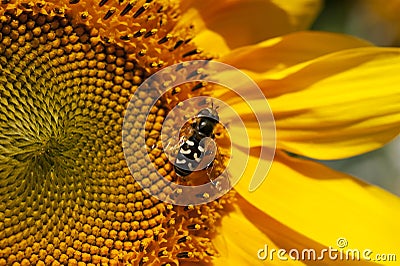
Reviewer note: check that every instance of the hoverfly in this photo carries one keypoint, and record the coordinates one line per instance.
(194, 149)
(198, 150)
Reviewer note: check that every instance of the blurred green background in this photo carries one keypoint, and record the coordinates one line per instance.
(359, 18)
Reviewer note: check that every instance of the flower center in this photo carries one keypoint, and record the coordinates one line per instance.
(67, 195)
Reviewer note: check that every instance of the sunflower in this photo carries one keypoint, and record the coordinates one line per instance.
(69, 70)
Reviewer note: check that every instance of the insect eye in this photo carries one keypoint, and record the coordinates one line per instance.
(206, 128)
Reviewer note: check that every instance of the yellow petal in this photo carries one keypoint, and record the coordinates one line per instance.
(268, 59)
(339, 105)
(285, 51)
(246, 233)
(325, 205)
(228, 24)
(302, 12)
(246, 230)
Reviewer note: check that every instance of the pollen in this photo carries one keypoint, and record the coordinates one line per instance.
(68, 71)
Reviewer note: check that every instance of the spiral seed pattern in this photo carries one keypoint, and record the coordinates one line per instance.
(67, 195)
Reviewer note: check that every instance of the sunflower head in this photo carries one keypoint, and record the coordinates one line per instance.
(68, 71)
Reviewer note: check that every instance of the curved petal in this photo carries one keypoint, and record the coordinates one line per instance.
(234, 23)
(302, 12)
(334, 106)
(285, 51)
(268, 59)
(340, 105)
(246, 230)
(325, 205)
(247, 233)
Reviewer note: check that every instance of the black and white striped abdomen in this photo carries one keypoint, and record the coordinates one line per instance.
(189, 157)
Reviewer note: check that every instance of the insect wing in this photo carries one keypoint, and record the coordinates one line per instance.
(186, 130)
(172, 150)
(173, 147)
(208, 150)
(222, 184)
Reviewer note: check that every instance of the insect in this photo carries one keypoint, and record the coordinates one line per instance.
(197, 150)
